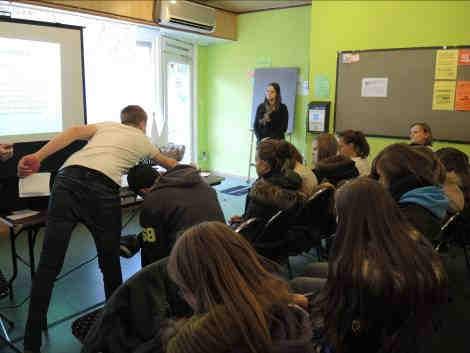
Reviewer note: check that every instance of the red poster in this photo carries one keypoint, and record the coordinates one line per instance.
(462, 96)
(464, 57)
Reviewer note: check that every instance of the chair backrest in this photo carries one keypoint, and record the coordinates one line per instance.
(272, 241)
(449, 231)
(251, 228)
(315, 219)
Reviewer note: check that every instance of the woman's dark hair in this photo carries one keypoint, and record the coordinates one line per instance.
(427, 129)
(141, 176)
(401, 160)
(234, 293)
(456, 161)
(278, 101)
(381, 270)
(357, 138)
(294, 153)
(327, 145)
(277, 153)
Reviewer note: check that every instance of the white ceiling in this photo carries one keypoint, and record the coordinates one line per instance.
(243, 6)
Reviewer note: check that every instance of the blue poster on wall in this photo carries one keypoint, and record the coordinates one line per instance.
(287, 79)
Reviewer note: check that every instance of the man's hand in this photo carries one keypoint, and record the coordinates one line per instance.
(28, 165)
(235, 219)
(6, 151)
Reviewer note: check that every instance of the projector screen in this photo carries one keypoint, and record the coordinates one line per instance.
(41, 80)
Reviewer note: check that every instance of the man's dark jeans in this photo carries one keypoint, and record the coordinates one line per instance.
(79, 195)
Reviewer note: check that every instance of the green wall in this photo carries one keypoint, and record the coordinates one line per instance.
(278, 38)
(350, 25)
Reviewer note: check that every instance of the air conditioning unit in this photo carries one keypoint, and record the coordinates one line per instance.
(185, 15)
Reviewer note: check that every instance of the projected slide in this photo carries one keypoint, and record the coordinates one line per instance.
(30, 87)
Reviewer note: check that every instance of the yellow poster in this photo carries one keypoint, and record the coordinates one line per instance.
(444, 95)
(446, 64)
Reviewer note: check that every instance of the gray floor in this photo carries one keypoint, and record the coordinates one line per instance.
(83, 288)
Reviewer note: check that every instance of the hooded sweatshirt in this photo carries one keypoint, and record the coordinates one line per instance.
(336, 169)
(423, 205)
(432, 198)
(179, 199)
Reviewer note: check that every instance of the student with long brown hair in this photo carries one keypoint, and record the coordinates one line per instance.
(272, 117)
(238, 305)
(458, 171)
(414, 180)
(385, 282)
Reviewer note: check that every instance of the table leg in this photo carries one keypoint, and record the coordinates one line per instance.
(14, 260)
(32, 265)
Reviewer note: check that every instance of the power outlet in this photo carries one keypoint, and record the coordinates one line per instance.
(204, 155)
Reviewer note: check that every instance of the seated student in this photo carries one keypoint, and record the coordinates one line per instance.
(458, 171)
(238, 305)
(420, 134)
(174, 201)
(385, 282)
(309, 180)
(329, 165)
(450, 188)
(277, 187)
(353, 144)
(410, 176)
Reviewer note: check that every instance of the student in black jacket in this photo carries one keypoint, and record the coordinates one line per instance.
(174, 201)
(278, 186)
(329, 165)
(271, 116)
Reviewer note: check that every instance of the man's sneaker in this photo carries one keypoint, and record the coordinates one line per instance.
(129, 245)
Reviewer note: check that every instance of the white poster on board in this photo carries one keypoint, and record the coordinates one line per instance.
(374, 87)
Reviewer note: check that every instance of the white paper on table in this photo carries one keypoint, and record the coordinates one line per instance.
(374, 87)
(22, 214)
(35, 185)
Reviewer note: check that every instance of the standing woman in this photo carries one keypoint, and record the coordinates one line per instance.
(271, 116)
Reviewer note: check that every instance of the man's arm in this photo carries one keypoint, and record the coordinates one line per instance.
(30, 163)
(164, 161)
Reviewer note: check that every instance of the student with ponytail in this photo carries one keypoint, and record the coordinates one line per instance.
(277, 187)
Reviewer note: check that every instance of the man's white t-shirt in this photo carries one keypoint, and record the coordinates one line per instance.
(113, 150)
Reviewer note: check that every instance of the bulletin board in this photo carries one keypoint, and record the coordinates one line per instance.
(382, 92)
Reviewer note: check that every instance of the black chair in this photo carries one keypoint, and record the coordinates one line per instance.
(272, 242)
(314, 222)
(251, 228)
(456, 231)
(4, 322)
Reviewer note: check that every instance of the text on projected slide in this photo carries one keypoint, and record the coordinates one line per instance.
(30, 87)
